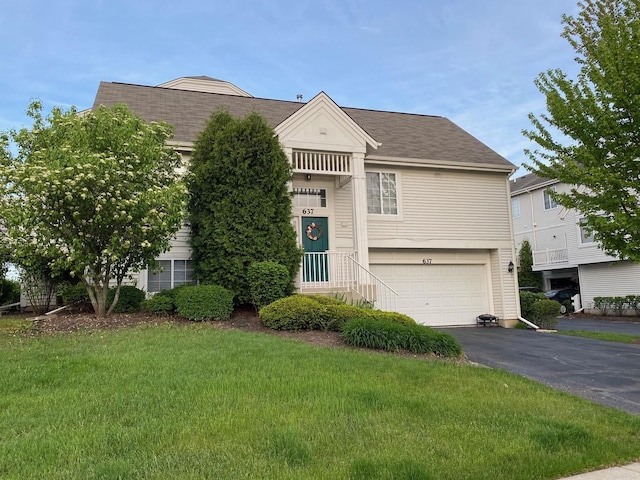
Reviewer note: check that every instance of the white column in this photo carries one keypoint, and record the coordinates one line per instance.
(359, 190)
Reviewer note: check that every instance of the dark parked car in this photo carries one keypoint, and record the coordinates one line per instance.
(562, 295)
(531, 289)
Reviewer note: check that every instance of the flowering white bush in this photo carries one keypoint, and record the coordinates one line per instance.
(97, 194)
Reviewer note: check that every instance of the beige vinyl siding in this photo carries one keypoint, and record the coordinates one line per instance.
(505, 298)
(180, 246)
(343, 215)
(439, 208)
(609, 279)
(582, 253)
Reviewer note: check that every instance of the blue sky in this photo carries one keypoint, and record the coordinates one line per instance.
(471, 61)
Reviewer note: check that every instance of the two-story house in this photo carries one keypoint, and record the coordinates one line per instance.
(407, 211)
(563, 250)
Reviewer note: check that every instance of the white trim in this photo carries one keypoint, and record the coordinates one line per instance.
(425, 162)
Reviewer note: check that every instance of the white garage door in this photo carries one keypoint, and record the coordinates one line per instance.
(438, 295)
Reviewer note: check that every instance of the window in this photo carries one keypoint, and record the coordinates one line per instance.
(585, 235)
(172, 273)
(549, 202)
(515, 207)
(382, 193)
(309, 197)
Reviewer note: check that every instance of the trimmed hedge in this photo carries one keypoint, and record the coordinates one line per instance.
(204, 302)
(161, 303)
(387, 334)
(268, 282)
(545, 313)
(527, 300)
(129, 299)
(294, 313)
(318, 312)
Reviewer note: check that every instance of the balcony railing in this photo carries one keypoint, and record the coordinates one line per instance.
(321, 162)
(556, 256)
(340, 272)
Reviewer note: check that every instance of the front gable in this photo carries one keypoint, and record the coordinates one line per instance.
(322, 125)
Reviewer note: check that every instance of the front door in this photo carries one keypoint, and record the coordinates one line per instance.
(315, 241)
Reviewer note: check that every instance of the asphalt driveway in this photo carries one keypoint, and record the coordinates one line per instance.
(604, 372)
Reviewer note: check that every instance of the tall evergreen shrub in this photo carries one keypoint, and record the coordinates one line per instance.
(240, 207)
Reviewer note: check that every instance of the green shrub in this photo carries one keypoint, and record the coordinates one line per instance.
(294, 313)
(603, 304)
(129, 299)
(326, 300)
(545, 313)
(527, 300)
(9, 291)
(618, 305)
(268, 282)
(393, 316)
(390, 335)
(334, 316)
(633, 301)
(204, 302)
(160, 303)
(76, 297)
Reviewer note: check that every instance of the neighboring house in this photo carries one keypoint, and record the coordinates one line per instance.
(407, 211)
(562, 249)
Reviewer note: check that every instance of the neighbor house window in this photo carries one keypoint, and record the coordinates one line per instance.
(515, 208)
(382, 193)
(585, 235)
(172, 273)
(549, 202)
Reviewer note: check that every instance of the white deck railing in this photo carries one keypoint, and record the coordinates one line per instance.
(340, 271)
(321, 162)
(551, 257)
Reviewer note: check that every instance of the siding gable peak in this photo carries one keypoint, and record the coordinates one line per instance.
(322, 125)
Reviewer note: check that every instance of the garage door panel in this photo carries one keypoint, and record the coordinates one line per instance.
(438, 294)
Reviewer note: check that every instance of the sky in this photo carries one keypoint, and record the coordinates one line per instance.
(472, 61)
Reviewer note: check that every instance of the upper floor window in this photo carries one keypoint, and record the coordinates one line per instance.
(382, 193)
(309, 197)
(549, 202)
(586, 236)
(172, 273)
(515, 208)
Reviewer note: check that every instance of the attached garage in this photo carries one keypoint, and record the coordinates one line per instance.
(438, 294)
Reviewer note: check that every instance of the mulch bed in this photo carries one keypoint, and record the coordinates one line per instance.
(244, 319)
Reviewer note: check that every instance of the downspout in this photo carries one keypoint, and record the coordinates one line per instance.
(528, 323)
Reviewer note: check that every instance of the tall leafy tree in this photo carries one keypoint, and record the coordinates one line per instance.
(97, 194)
(526, 276)
(240, 204)
(590, 136)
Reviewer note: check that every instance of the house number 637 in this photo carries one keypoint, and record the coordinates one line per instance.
(307, 211)
(426, 261)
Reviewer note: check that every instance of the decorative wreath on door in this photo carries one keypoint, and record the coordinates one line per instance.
(314, 231)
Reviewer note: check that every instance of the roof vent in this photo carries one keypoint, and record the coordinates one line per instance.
(299, 97)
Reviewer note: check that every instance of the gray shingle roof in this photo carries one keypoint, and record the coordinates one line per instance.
(530, 181)
(403, 135)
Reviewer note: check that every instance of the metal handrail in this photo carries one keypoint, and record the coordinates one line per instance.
(340, 270)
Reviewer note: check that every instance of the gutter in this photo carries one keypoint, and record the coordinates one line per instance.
(528, 323)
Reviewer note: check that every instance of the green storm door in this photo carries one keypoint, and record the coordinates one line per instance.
(315, 241)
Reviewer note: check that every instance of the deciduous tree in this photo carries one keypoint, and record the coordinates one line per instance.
(590, 136)
(96, 193)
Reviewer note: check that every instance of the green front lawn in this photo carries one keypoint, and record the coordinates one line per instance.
(14, 324)
(608, 336)
(196, 402)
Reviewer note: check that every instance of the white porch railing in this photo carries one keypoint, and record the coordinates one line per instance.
(551, 257)
(321, 162)
(340, 271)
